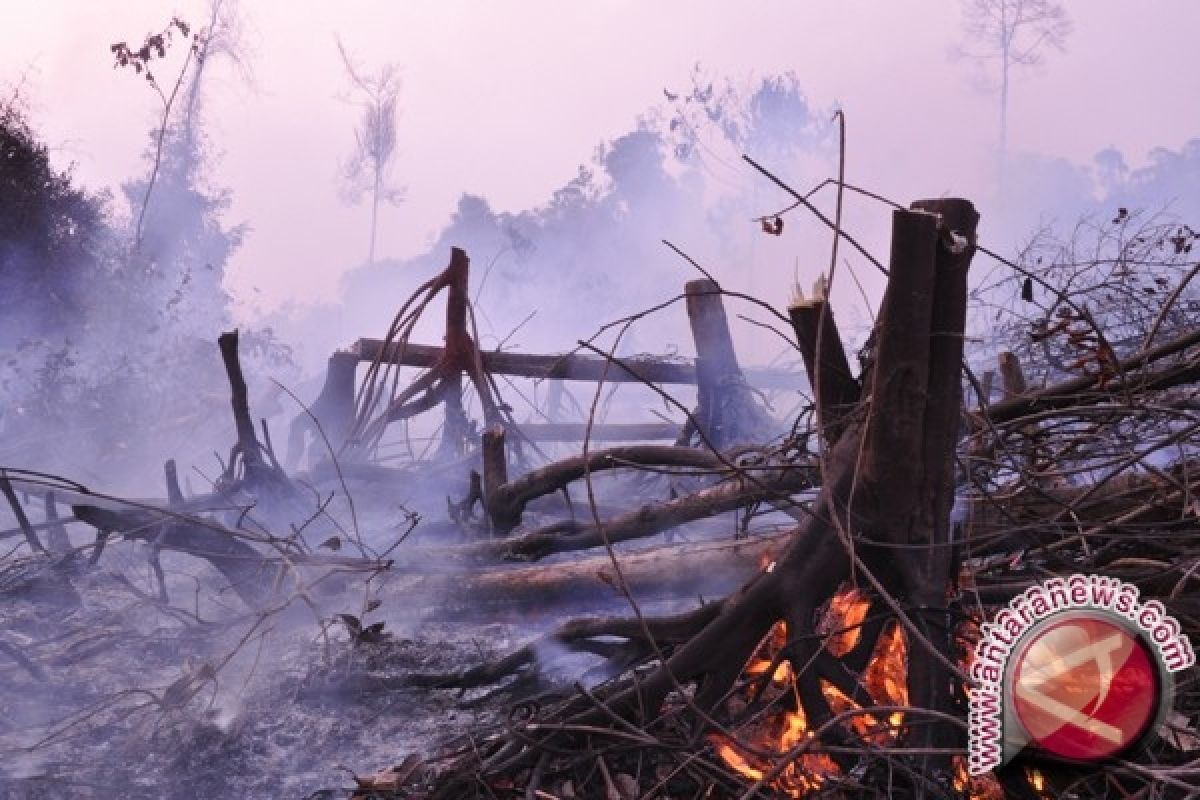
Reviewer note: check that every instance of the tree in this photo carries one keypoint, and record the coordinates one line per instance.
(51, 234)
(140, 61)
(181, 237)
(1011, 34)
(375, 139)
(877, 519)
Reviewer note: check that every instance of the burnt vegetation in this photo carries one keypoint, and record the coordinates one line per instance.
(769, 588)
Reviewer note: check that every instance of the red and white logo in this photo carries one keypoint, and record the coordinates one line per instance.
(1079, 667)
(1084, 688)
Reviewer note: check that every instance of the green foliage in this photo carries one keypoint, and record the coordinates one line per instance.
(51, 234)
(104, 344)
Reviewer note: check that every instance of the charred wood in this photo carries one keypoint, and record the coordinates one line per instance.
(836, 390)
(507, 499)
(571, 367)
(247, 572)
(727, 411)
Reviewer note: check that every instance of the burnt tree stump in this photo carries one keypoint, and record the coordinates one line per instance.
(333, 409)
(727, 412)
(834, 387)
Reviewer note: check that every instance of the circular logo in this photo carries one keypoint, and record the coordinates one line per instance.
(1084, 687)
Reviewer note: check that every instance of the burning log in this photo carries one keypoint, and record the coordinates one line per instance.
(884, 517)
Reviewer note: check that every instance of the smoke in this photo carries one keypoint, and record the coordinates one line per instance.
(120, 372)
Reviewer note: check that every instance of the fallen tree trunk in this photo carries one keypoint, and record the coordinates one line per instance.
(506, 501)
(570, 367)
(248, 573)
(709, 570)
(1133, 377)
(598, 432)
(775, 484)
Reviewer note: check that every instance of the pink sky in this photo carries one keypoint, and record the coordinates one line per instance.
(505, 99)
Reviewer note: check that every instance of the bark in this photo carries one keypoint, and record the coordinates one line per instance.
(506, 500)
(710, 569)
(776, 485)
(247, 572)
(571, 367)
(834, 387)
(727, 412)
(928, 574)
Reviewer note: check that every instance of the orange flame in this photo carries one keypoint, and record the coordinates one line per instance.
(754, 754)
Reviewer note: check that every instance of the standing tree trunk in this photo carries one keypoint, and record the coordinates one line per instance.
(881, 520)
(374, 212)
(726, 410)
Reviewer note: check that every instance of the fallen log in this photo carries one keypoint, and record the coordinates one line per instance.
(1133, 377)
(708, 570)
(570, 367)
(506, 500)
(599, 432)
(562, 537)
(248, 573)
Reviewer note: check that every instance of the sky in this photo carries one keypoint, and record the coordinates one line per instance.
(505, 100)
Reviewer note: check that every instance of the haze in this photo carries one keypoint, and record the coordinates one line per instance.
(505, 100)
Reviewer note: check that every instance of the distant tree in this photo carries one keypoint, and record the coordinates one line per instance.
(366, 171)
(141, 62)
(1011, 34)
(183, 243)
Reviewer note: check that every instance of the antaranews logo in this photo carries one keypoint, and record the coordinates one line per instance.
(1078, 667)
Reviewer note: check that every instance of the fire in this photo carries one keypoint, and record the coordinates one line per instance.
(976, 787)
(754, 754)
(787, 730)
